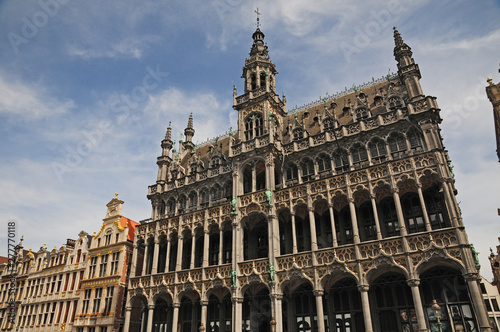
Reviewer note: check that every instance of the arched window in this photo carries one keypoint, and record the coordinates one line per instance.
(436, 209)
(366, 222)
(344, 304)
(358, 154)
(324, 162)
(303, 233)
(285, 228)
(247, 179)
(397, 143)
(298, 133)
(255, 240)
(219, 314)
(215, 162)
(227, 244)
(388, 218)
(253, 80)
(414, 139)
(216, 193)
(307, 167)
(228, 190)
(260, 174)
(343, 226)
(341, 161)
(182, 203)
(291, 172)
(193, 199)
(377, 150)
(161, 209)
(362, 113)
(259, 125)
(249, 128)
(412, 211)
(204, 197)
(171, 205)
(262, 79)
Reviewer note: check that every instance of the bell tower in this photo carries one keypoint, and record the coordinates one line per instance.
(259, 103)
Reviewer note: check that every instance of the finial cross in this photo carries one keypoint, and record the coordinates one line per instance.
(258, 14)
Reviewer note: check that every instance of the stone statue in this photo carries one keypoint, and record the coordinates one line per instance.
(271, 274)
(475, 255)
(269, 196)
(233, 278)
(450, 166)
(233, 206)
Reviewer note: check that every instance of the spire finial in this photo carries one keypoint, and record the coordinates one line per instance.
(398, 40)
(258, 14)
(168, 136)
(116, 195)
(190, 121)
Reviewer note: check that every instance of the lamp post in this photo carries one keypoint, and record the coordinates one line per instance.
(437, 313)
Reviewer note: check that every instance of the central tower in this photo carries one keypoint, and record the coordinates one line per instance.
(259, 101)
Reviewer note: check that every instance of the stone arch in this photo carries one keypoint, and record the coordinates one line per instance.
(386, 267)
(139, 313)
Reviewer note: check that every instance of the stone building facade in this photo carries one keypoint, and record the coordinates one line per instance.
(104, 284)
(339, 216)
(49, 293)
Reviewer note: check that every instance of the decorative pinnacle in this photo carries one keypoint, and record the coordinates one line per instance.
(397, 38)
(116, 195)
(168, 136)
(190, 121)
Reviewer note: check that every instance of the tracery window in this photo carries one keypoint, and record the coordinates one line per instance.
(328, 123)
(394, 103)
(291, 172)
(324, 162)
(397, 143)
(359, 154)
(377, 150)
(389, 218)
(436, 209)
(254, 126)
(412, 211)
(307, 167)
(341, 161)
(414, 139)
(366, 222)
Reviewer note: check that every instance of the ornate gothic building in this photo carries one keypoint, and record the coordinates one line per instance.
(339, 216)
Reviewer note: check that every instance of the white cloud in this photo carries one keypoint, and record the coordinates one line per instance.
(127, 48)
(30, 101)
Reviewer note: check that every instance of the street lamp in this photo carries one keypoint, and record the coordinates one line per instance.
(437, 313)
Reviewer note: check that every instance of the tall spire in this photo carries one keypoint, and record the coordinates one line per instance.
(167, 143)
(189, 133)
(168, 136)
(408, 70)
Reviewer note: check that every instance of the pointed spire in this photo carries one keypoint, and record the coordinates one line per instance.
(189, 133)
(398, 40)
(190, 121)
(168, 136)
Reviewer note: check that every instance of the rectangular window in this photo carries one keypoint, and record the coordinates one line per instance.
(80, 280)
(97, 300)
(107, 239)
(59, 282)
(86, 300)
(92, 267)
(66, 282)
(104, 265)
(488, 305)
(495, 304)
(109, 299)
(114, 263)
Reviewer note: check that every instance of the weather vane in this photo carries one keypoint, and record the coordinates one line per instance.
(258, 13)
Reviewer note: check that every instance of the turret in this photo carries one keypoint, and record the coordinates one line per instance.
(188, 134)
(408, 70)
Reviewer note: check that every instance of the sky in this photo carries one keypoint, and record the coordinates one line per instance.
(88, 88)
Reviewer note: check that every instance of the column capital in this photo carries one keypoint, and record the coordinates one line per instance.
(395, 190)
(206, 231)
(350, 200)
(176, 305)
(373, 195)
(204, 303)
(151, 306)
(413, 282)
(318, 292)
(363, 288)
(310, 208)
(471, 276)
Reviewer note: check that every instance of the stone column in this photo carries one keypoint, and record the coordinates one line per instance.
(221, 244)
(204, 307)
(319, 309)
(312, 226)
(332, 220)
(354, 219)
(134, 260)
(180, 246)
(154, 268)
(294, 236)
(193, 246)
(167, 256)
(279, 313)
(417, 302)
(126, 325)
(175, 317)
(399, 211)
(375, 215)
(363, 289)
(450, 204)
(206, 242)
(478, 302)
(428, 227)
(237, 316)
(145, 261)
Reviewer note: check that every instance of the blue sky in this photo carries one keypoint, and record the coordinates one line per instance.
(87, 90)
